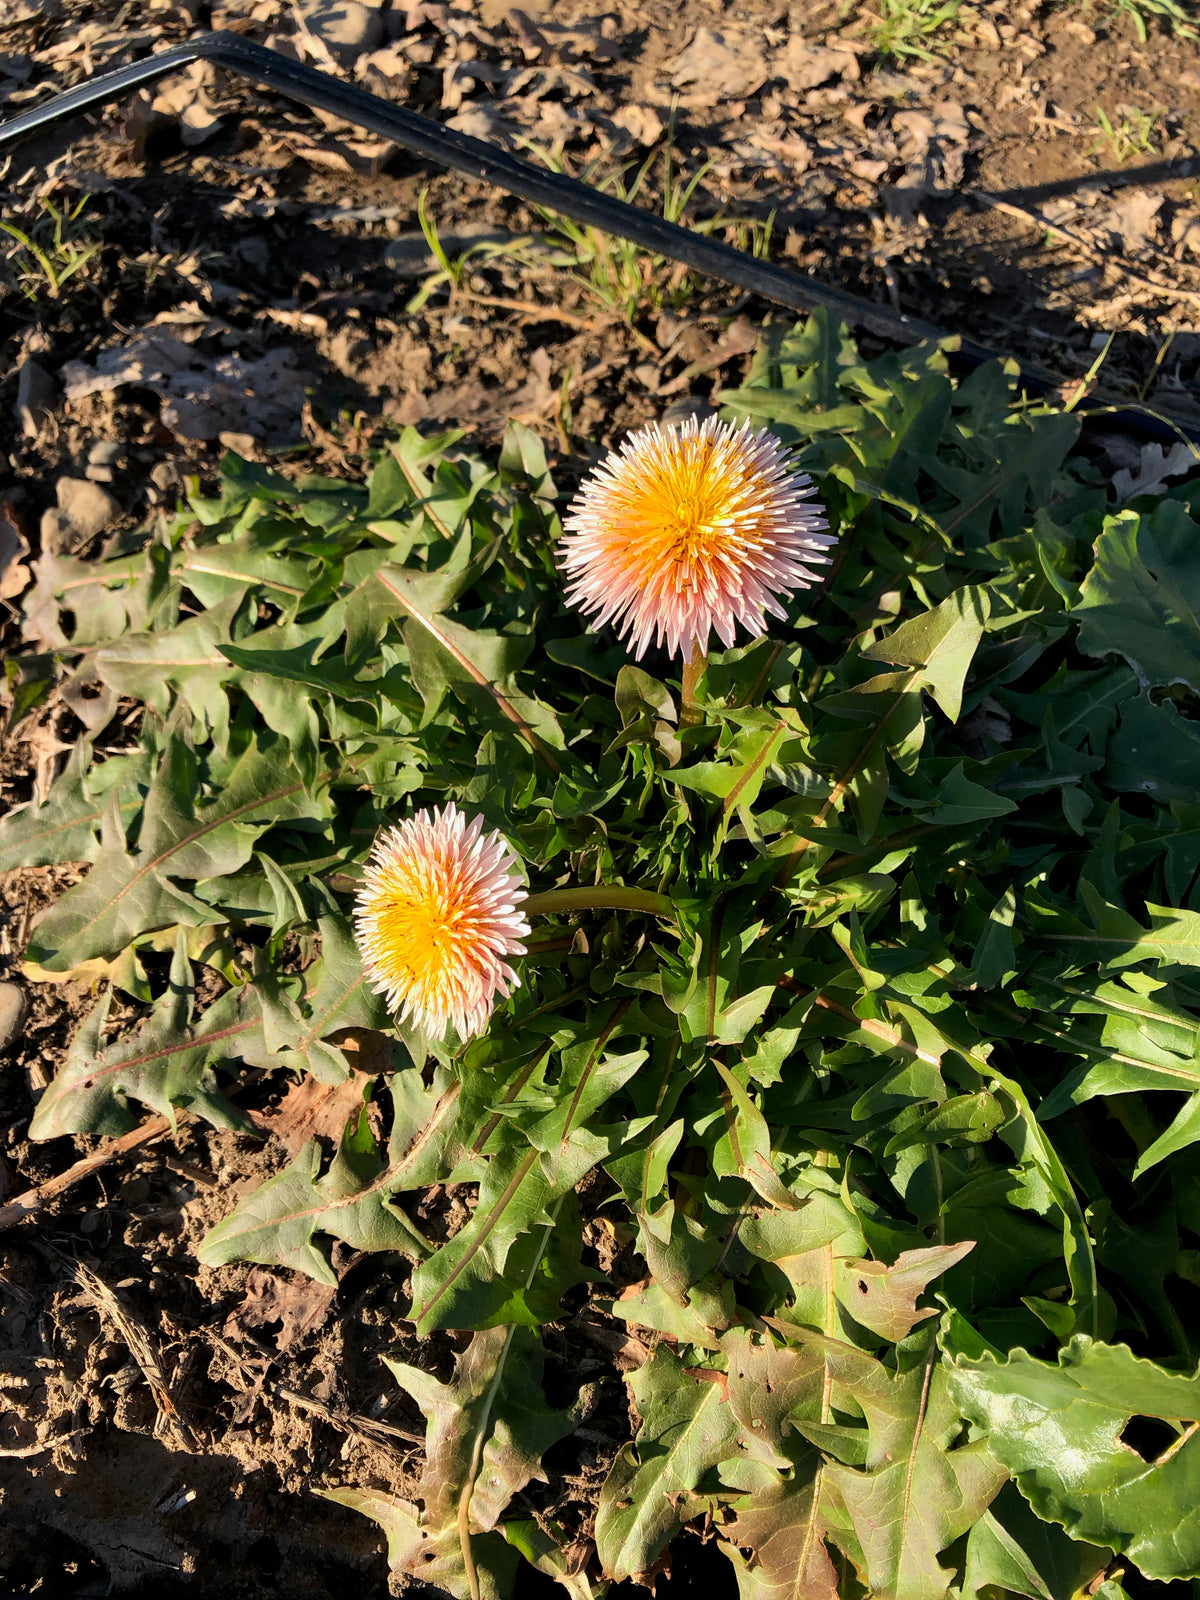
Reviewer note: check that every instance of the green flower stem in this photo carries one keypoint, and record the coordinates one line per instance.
(601, 897)
(690, 711)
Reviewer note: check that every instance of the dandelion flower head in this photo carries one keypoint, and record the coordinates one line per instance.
(688, 530)
(440, 908)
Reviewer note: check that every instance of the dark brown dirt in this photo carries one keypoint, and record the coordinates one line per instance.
(281, 237)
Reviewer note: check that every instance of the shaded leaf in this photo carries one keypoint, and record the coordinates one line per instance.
(650, 1491)
(1142, 596)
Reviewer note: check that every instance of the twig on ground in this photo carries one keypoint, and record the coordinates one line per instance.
(24, 1451)
(34, 1200)
(1093, 251)
(622, 1344)
(353, 1423)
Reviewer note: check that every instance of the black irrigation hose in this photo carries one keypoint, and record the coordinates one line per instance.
(580, 201)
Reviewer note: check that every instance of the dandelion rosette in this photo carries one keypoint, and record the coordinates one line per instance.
(440, 908)
(689, 530)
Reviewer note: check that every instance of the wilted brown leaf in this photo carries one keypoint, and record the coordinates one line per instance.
(298, 1305)
(723, 66)
(312, 1109)
(14, 547)
(783, 1527)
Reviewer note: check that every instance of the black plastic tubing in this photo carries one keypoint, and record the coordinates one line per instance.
(491, 164)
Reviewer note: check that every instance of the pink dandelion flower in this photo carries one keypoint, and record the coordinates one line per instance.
(440, 907)
(689, 530)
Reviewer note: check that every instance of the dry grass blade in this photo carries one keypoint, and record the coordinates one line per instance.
(25, 1451)
(142, 1349)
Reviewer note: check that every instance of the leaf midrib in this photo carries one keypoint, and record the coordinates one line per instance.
(384, 1182)
(179, 844)
(647, 1503)
(76, 821)
(91, 1078)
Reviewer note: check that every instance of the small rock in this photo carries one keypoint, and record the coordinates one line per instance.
(197, 123)
(105, 456)
(348, 28)
(36, 393)
(89, 507)
(84, 509)
(242, 444)
(12, 1014)
(642, 123)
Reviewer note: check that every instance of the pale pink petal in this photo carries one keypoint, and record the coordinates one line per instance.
(690, 530)
(441, 904)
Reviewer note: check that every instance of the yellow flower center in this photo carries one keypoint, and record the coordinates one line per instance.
(676, 520)
(421, 929)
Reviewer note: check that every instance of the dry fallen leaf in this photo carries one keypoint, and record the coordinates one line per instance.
(386, 72)
(724, 66)
(1185, 235)
(312, 1109)
(1156, 466)
(1131, 220)
(641, 123)
(299, 1306)
(141, 359)
(14, 547)
(804, 65)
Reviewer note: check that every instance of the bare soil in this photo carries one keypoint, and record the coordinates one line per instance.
(171, 1444)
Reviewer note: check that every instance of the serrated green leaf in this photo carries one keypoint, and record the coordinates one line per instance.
(163, 1065)
(486, 1431)
(275, 1224)
(465, 1281)
(66, 827)
(413, 1549)
(338, 997)
(185, 659)
(126, 894)
(746, 1147)
(215, 572)
(938, 646)
(1141, 598)
(651, 1489)
(920, 1491)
